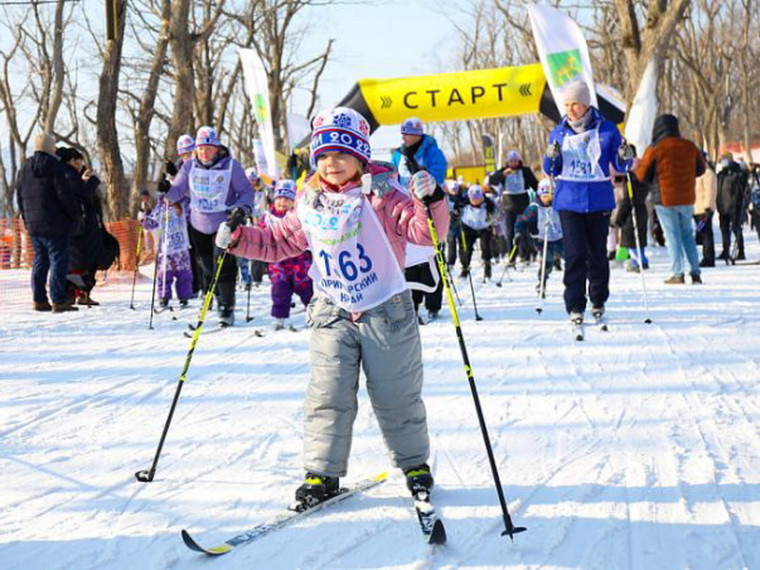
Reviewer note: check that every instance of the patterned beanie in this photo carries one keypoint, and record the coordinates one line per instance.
(544, 187)
(285, 189)
(475, 192)
(185, 144)
(343, 130)
(412, 126)
(206, 137)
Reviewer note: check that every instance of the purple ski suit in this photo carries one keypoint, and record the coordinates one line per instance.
(177, 244)
(288, 276)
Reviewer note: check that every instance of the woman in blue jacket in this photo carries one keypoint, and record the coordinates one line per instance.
(581, 149)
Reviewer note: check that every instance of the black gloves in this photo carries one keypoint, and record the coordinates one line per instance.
(171, 168)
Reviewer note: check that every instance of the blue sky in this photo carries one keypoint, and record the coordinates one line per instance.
(386, 39)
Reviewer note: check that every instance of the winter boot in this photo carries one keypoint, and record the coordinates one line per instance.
(487, 272)
(675, 280)
(740, 256)
(597, 312)
(42, 306)
(163, 303)
(84, 299)
(226, 315)
(183, 304)
(316, 489)
(576, 317)
(278, 324)
(419, 479)
(63, 308)
(465, 272)
(696, 279)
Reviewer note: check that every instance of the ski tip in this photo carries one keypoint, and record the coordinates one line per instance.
(438, 534)
(192, 545)
(380, 477)
(648, 321)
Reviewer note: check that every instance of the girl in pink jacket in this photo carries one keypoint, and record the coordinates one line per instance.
(356, 222)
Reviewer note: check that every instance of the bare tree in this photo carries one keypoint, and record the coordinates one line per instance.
(107, 132)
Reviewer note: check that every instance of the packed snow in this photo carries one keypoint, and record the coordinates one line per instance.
(637, 448)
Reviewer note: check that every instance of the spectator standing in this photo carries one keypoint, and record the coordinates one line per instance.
(50, 215)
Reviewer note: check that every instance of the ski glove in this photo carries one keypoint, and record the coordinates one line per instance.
(553, 151)
(224, 235)
(164, 186)
(171, 168)
(422, 185)
(626, 152)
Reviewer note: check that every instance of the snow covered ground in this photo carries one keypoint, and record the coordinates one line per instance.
(638, 448)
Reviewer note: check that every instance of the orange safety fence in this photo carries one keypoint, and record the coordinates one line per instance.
(17, 255)
(16, 250)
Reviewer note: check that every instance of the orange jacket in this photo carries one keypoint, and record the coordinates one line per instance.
(672, 166)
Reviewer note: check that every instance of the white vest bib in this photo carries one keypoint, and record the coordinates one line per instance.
(209, 188)
(354, 265)
(580, 158)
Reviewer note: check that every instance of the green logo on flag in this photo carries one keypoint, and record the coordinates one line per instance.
(260, 107)
(564, 66)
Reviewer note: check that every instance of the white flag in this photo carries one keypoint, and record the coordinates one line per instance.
(562, 50)
(638, 126)
(299, 127)
(256, 85)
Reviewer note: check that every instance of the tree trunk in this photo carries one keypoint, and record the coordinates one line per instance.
(182, 47)
(107, 134)
(145, 112)
(58, 70)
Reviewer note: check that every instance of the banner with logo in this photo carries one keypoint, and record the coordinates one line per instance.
(257, 87)
(562, 50)
(489, 152)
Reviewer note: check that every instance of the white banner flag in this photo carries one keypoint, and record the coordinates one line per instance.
(638, 126)
(299, 127)
(562, 50)
(257, 87)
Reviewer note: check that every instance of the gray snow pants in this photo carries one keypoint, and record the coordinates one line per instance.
(385, 342)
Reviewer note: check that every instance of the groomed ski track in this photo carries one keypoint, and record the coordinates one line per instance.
(638, 448)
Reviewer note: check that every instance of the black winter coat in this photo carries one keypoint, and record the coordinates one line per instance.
(732, 190)
(624, 218)
(87, 243)
(514, 203)
(45, 198)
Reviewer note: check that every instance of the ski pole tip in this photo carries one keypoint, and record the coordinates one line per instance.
(513, 531)
(145, 475)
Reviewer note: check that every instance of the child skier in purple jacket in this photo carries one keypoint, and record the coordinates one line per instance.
(291, 275)
(173, 251)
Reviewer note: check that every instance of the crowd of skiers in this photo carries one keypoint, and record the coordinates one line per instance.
(354, 241)
(197, 192)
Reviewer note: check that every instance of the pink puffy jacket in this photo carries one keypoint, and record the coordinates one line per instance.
(404, 219)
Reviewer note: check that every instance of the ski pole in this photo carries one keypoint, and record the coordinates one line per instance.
(474, 302)
(509, 528)
(248, 317)
(137, 266)
(155, 277)
(453, 286)
(647, 320)
(166, 249)
(506, 266)
(542, 285)
(146, 475)
(469, 275)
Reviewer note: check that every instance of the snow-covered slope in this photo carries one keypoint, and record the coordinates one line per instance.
(638, 448)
